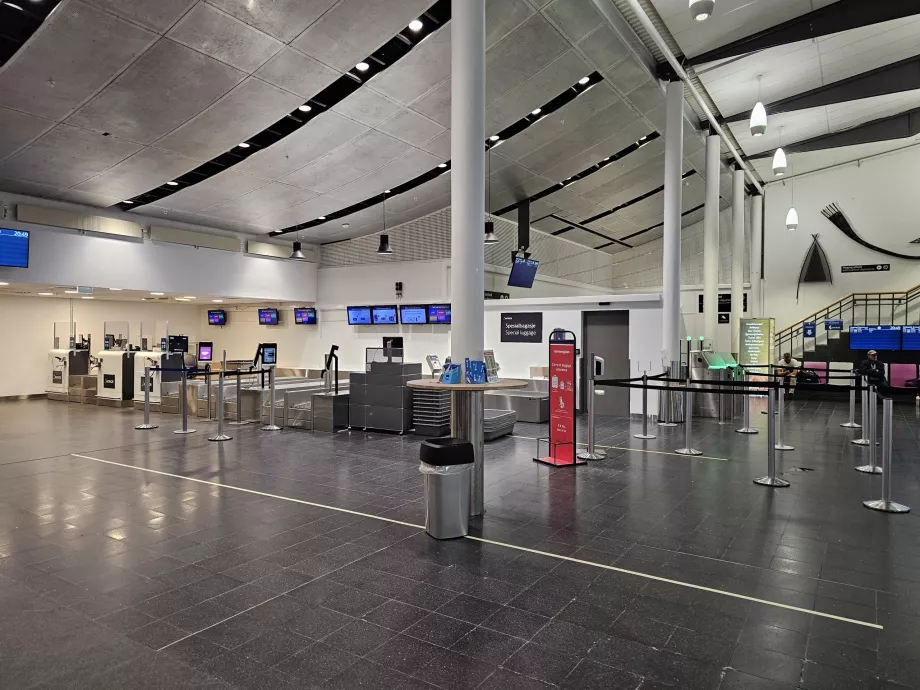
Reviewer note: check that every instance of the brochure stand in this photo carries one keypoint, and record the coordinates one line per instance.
(562, 371)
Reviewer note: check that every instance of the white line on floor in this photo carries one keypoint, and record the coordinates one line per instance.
(647, 576)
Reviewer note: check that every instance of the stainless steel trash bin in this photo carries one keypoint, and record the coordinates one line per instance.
(446, 464)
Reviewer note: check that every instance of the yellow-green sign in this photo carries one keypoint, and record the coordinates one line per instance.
(756, 342)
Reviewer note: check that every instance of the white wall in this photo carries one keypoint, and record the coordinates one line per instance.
(879, 196)
(28, 331)
(60, 257)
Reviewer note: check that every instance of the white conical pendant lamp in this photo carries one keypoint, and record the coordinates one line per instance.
(779, 162)
(758, 115)
(792, 219)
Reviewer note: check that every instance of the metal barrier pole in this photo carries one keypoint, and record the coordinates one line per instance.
(146, 424)
(645, 435)
(271, 401)
(781, 401)
(851, 422)
(746, 427)
(590, 454)
(672, 372)
(863, 440)
(207, 378)
(183, 402)
(239, 399)
(872, 467)
(885, 504)
(220, 435)
(771, 479)
(688, 448)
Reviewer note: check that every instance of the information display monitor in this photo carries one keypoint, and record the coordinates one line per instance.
(875, 337)
(217, 317)
(269, 353)
(523, 272)
(305, 315)
(438, 313)
(359, 316)
(178, 343)
(268, 317)
(205, 351)
(910, 338)
(14, 248)
(384, 315)
(413, 314)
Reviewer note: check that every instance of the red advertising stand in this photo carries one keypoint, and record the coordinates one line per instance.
(562, 372)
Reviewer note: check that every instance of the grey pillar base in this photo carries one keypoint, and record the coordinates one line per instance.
(466, 422)
(219, 437)
(645, 437)
(243, 423)
(784, 447)
(887, 506)
(860, 442)
(747, 430)
(851, 425)
(667, 424)
(591, 456)
(184, 431)
(688, 451)
(772, 481)
(869, 469)
(146, 426)
(271, 427)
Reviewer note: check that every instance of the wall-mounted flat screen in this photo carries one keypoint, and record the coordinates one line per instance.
(359, 316)
(305, 315)
(384, 315)
(413, 314)
(205, 351)
(14, 248)
(438, 313)
(523, 271)
(910, 338)
(268, 317)
(178, 343)
(875, 337)
(269, 353)
(217, 317)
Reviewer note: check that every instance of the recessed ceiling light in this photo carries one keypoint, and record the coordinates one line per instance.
(115, 289)
(362, 67)
(416, 25)
(304, 108)
(157, 294)
(386, 191)
(643, 138)
(190, 297)
(217, 301)
(46, 294)
(70, 292)
(14, 6)
(442, 165)
(181, 299)
(244, 145)
(536, 111)
(322, 218)
(173, 184)
(2, 284)
(346, 225)
(127, 202)
(584, 80)
(86, 297)
(494, 137)
(607, 158)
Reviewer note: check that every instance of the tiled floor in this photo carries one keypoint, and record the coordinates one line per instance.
(114, 576)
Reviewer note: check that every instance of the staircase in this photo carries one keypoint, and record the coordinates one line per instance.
(856, 309)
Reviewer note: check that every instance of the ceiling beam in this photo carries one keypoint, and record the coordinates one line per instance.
(587, 229)
(838, 16)
(901, 126)
(894, 78)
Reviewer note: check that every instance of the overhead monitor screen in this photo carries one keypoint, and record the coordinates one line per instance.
(413, 314)
(14, 248)
(438, 313)
(875, 337)
(268, 317)
(205, 352)
(384, 316)
(523, 271)
(910, 338)
(359, 316)
(217, 317)
(305, 315)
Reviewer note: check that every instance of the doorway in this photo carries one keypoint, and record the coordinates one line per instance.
(606, 334)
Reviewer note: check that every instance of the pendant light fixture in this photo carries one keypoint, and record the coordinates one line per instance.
(701, 10)
(792, 218)
(759, 114)
(490, 237)
(779, 158)
(384, 247)
(297, 254)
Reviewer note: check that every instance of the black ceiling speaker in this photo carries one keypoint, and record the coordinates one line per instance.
(815, 267)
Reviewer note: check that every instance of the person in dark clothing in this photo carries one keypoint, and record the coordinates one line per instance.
(873, 369)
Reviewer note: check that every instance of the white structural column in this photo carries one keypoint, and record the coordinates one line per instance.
(673, 186)
(737, 256)
(755, 302)
(467, 185)
(711, 252)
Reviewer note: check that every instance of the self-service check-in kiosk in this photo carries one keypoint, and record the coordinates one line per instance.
(69, 357)
(115, 379)
(166, 365)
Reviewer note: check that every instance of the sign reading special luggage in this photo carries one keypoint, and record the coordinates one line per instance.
(562, 402)
(522, 327)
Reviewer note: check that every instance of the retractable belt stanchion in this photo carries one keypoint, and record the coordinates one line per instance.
(146, 424)
(239, 407)
(851, 422)
(645, 435)
(872, 467)
(183, 401)
(885, 504)
(220, 435)
(271, 401)
(688, 448)
(863, 441)
(781, 402)
(672, 372)
(771, 479)
(746, 427)
(591, 453)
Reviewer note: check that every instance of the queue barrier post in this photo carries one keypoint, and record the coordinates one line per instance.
(771, 479)
(645, 435)
(851, 422)
(885, 504)
(271, 426)
(146, 424)
(872, 467)
(183, 403)
(746, 427)
(863, 440)
(220, 435)
(688, 448)
(781, 422)
(239, 407)
(591, 453)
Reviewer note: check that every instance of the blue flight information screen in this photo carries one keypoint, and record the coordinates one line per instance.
(413, 314)
(911, 338)
(875, 337)
(383, 316)
(14, 248)
(438, 313)
(359, 316)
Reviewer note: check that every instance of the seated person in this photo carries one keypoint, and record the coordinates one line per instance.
(872, 369)
(788, 368)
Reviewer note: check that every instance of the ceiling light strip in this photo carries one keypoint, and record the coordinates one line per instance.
(381, 59)
(497, 139)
